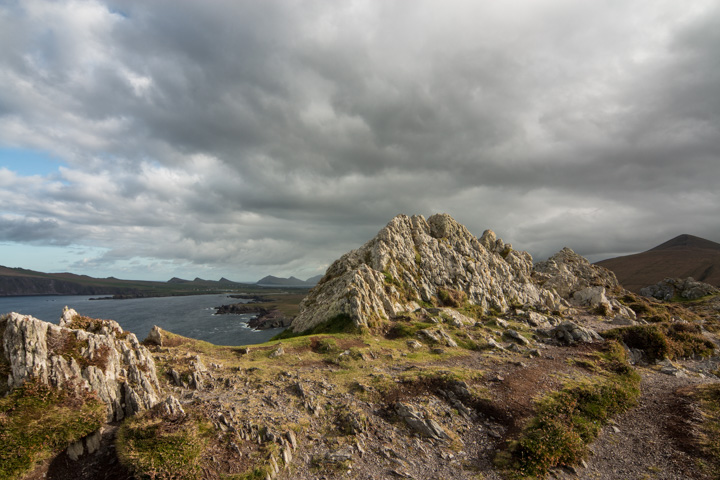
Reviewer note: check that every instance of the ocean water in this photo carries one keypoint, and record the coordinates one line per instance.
(190, 316)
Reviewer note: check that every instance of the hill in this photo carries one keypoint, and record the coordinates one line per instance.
(273, 281)
(20, 281)
(681, 257)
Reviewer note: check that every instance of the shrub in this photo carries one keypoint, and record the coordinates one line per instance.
(159, 447)
(647, 338)
(324, 345)
(659, 341)
(449, 297)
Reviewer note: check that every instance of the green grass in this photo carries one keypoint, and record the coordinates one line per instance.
(708, 396)
(36, 420)
(156, 447)
(338, 324)
(568, 420)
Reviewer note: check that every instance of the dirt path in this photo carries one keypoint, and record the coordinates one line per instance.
(652, 441)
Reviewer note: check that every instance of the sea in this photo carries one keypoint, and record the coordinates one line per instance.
(190, 316)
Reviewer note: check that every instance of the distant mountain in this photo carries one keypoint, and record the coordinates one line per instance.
(20, 281)
(681, 257)
(272, 280)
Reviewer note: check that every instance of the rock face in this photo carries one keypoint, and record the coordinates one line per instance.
(81, 353)
(566, 272)
(687, 288)
(411, 261)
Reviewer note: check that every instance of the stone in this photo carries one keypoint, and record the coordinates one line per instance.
(516, 337)
(414, 344)
(426, 427)
(413, 260)
(75, 450)
(622, 320)
(566, 272)
(171, 406)
(279, 351)
(105, 360)
(687, 288)
(456, 319)
(570, 333)
(539, 320)
(155, 336)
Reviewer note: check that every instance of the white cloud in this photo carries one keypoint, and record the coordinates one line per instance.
(269, 137)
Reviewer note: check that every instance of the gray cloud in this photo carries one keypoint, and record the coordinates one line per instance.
(244, 138)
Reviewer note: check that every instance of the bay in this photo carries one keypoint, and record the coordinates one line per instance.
(190, 316)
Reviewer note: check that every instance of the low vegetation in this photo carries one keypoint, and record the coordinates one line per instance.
(37, 420)
(664, 340)
(567, 421)
(158, 446)
(708, 397)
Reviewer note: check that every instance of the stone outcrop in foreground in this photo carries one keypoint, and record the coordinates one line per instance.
(413, 262)
(81, 353)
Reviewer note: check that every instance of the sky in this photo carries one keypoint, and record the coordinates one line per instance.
(241, 138)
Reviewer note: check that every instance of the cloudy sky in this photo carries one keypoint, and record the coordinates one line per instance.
(239, 138)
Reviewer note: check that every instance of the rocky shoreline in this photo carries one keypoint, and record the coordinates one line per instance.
(265, 318)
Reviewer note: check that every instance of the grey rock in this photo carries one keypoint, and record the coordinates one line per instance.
(687, 288)
(566, 272)
(75, 450)
(155, 336)
(115, 364)
(623, 320)
(171, 406)
(414, 344)
(570, 333)
(516, 337)
(279, 351)
(427, 427)
(537, 320)
(411, 260)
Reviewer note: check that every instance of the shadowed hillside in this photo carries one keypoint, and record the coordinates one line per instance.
(683, 256)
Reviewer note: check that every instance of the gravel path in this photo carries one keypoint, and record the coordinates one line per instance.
(653, 440)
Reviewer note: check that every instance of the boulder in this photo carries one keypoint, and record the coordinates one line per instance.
(426, 427)
(687, 288)
(82, 353)
(570, 333)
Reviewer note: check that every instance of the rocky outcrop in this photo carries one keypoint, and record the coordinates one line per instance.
(413, 261)
(566, 272)
(687, 288)
(81, 353)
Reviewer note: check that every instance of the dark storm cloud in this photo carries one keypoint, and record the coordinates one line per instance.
(247, 136)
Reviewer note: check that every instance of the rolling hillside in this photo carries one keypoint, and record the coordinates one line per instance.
(683, 256)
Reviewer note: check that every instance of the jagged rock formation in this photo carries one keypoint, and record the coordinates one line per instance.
(567, 272)
(81, 353)
(687, 288)
(413, 261)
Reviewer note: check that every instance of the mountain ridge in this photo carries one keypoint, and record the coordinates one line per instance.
(680, 257)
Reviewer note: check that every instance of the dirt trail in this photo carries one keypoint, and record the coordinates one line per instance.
(652, 441)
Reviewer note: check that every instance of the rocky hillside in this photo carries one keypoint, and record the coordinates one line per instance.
(681, 257)
(446, 356)
(413, 262)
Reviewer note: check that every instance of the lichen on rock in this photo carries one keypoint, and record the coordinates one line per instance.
(411, 262)
(111, 362)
